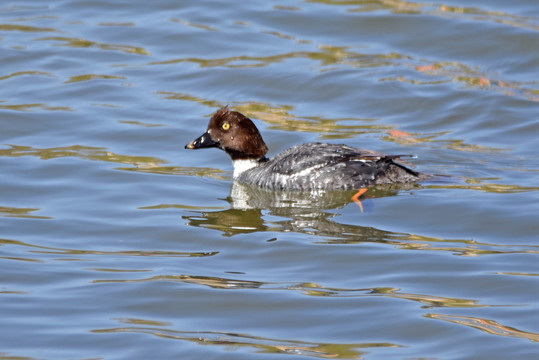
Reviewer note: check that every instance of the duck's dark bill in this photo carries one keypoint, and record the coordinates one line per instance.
(204, 141)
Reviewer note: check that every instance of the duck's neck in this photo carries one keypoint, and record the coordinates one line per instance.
(242, 165)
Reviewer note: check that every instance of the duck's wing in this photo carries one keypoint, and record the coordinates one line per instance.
(316, 155)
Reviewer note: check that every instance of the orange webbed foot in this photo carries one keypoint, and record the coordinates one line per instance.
(356, 197)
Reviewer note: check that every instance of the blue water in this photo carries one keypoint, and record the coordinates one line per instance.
(117, 243)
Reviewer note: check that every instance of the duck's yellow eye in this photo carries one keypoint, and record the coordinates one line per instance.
(225, 126)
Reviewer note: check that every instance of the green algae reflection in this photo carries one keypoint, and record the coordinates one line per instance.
(82, 43)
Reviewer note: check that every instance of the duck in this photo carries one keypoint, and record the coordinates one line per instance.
(306, 167)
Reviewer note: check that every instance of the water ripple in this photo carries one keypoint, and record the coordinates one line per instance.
(309, 289)
(260, 344)
(82, 43)
(488, 326)
(50, 250)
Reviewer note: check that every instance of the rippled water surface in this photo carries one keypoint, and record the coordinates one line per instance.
(117, 243)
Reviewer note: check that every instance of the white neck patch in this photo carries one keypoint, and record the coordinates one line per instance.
(241, 166)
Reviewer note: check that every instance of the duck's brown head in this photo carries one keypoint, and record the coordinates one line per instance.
(234, 133)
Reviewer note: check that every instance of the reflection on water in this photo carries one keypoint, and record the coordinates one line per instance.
(434, 9)
(82, 43)
(313, 213)
(21, 73)
(21, 212)
(326, 56)
(488, 326)
(479, 184)
(260, 344)
(80, 151)
(34, 106)
(246, 197)
(308, 289)
(437, 72)
(33, 251)
(177, 170)
(25, 28)
(87, 77)
(307, 212)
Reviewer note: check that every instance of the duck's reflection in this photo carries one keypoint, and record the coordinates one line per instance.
(252, 210)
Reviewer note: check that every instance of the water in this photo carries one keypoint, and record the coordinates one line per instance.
(117, 243)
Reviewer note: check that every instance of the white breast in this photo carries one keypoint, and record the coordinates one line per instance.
(241, 166)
